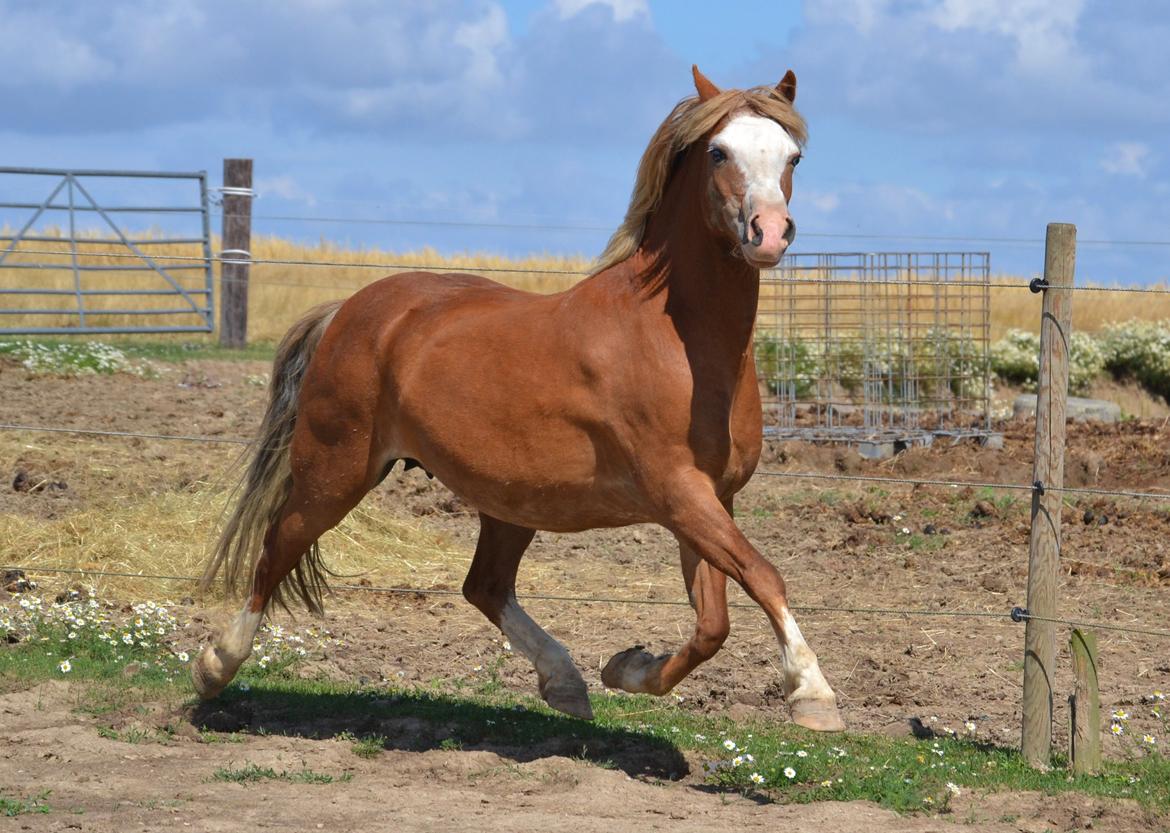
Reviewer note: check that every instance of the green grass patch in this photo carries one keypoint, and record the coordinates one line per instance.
(921, 542)
(80, 355)
(370, 746)
(11, 807)
(176, 352)
(251, 773)
(1004, 503)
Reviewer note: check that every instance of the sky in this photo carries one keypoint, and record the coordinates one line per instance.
(515, 126)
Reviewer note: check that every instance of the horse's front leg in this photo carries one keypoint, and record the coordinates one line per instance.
(638, 671)
(697, 518)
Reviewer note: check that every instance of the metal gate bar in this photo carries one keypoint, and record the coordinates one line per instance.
(79, 200)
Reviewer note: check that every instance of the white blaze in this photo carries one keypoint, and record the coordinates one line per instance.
(761, 149)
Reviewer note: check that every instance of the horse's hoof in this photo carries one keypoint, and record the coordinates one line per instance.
(818, 715)
(208, 674)
(571, 698)
(633, 670)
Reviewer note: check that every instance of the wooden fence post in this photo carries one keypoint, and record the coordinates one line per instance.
(1048, 477)
(237, 238)
(1084, 737)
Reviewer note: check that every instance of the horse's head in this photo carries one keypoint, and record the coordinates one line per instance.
(750, 162)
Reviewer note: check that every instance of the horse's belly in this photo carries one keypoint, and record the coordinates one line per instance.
(532, 470)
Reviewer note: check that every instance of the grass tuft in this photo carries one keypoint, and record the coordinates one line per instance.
(251, 773)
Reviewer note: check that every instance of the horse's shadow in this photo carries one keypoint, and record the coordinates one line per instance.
(419, 721)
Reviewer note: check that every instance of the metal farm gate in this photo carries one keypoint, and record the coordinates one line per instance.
(878, 350)
(52, 282)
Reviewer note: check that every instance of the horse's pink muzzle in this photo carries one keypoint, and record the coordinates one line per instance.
(767, 235)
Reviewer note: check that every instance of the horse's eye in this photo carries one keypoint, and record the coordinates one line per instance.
(717, 156)
(795, 161)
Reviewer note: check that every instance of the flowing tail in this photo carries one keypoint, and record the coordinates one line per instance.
(265, 486)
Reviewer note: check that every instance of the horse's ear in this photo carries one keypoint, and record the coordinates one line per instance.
(705, 88)
(787, 87)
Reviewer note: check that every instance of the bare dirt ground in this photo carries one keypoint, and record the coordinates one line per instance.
(838, 545)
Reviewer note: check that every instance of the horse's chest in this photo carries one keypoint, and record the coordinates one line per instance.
(727, 438)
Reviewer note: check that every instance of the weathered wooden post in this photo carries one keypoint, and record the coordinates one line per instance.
(1084, 737)
(1048, 479)
(236, 254)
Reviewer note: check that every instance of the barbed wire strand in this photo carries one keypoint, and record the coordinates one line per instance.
(858, 478)
(1013, 616)
(582, 273)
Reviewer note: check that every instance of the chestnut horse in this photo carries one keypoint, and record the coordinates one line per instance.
(629, 398)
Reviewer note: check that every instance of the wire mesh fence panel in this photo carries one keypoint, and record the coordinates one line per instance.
(887, 347)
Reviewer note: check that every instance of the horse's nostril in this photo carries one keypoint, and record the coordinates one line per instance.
(790, 231)
(757, 232)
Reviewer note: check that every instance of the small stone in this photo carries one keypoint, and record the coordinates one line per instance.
(983, 509)
(131, 669)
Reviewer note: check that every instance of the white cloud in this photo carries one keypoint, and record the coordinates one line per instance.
(484, 39)
(1126, 159)
(1044, 32)
(32, 53)
(824, 202)
(623, 10)
(286, 188)
(862, 15)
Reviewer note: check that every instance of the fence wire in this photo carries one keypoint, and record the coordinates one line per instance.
(819, 235)
(1014, 615)
(235, 259)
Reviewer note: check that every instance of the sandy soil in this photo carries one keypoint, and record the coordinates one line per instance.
(838, 545)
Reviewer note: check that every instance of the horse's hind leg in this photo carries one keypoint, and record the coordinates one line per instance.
(491, 587)
(315, 504)
(638, 671)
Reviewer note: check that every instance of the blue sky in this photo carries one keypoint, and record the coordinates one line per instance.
(970, 119)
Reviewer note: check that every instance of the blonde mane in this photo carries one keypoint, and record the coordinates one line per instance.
(689, 121)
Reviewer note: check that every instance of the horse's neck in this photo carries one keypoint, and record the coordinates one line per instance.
(710, 295)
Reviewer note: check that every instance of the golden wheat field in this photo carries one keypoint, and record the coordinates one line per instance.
(313, 274)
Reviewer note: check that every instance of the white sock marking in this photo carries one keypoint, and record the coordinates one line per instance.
(802, 673)
(236, 641)
(549, 656)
